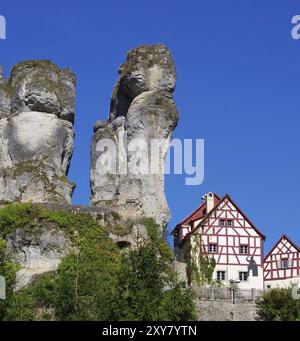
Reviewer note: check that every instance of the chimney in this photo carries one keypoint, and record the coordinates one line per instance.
(210, 201)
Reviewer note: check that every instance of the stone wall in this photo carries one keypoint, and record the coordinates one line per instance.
(225, 311)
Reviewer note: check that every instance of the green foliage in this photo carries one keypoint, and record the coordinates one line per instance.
(200, 266)
(86, 281)
(278, 305)
(35, 302)
(207, 267)
(18, 215)
(147, 288)
(30, 217)
(95, 281)
(156, 238)
(8, 271)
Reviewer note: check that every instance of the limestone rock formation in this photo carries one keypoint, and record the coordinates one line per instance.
(142, 109)
(37, 252)
(36, 133)
(39, 236)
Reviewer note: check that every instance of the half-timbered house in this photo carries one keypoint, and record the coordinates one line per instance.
(218, 228)
(282, 264)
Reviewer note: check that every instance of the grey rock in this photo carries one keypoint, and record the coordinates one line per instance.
(42, 87)
(141, 107)
(99, 124)
(37, 252)
(5, 102)
(36, 133)
(2, 79)
(137, 234)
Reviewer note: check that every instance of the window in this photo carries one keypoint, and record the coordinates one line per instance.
(221, 275)
(222, 222)
(243, 276)
(244, 250)
(212, 248)
(226, 222)
(285, 263)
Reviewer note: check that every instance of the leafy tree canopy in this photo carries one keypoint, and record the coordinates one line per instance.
(278, 305)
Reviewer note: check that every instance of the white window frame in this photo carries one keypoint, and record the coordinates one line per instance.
(215, 248)
(243, 276)
(223, 272)
(242, 246)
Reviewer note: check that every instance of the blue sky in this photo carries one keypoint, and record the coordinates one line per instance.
(238, 88)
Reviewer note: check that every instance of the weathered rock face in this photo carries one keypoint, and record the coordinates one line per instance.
(39, 243)
(37, 253)
(142, 109)
(36, 133)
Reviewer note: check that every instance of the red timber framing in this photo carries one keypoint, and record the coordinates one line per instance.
(229, 228)
(186, 224)
(286, 250)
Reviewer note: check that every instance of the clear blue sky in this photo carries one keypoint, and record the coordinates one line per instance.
(238, 88)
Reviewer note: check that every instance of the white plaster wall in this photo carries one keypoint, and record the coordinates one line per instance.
(232, 273)
(282, 283)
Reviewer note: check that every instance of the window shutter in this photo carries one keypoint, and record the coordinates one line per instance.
(279, 264)
(290, 263)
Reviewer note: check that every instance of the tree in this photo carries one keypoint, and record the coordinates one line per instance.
(278, 305)
(86, 280)
(148, 288)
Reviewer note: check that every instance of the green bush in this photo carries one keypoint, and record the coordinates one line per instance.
(8, 271)
(278, 305)
(86, 281)
(35, 302)
(147, 292)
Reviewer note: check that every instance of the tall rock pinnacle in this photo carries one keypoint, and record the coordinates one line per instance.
(142, 109)
(36, 133)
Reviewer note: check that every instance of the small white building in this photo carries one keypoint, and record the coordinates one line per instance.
(226, 234)
(282, 265)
